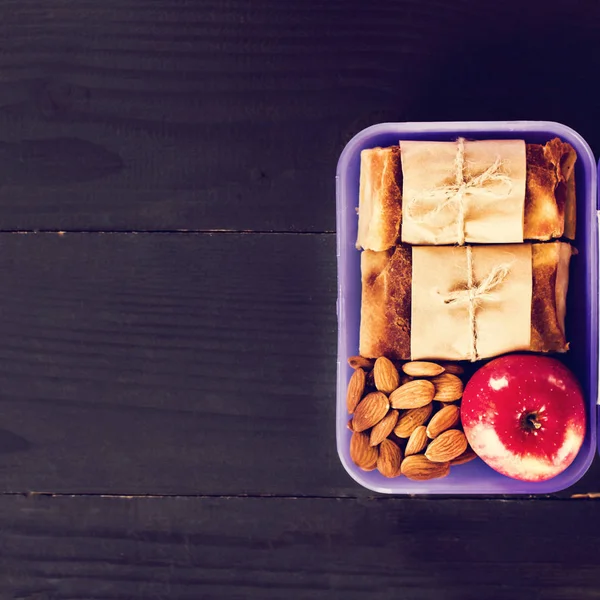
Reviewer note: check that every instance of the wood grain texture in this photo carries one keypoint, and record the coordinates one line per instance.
(157, 363)
(204, 364)
(240, 548)
(171, 364)
(205, 114)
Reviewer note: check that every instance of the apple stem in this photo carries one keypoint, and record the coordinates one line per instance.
(531, 421)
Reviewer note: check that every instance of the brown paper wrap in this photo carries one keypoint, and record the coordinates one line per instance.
(549, 196)
(386, 309)
(457, 192)
(470, 302)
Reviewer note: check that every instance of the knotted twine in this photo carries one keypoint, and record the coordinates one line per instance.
(474, 294)
(455, 192)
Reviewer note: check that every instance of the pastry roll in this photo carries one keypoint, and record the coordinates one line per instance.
(385, 328)
(550, 191)
(549, 209)
(380, 204)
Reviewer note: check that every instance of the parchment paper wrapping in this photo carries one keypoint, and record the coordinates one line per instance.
(457, 192)
(470, 302)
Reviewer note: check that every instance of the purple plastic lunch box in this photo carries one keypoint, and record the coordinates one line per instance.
(582, 303)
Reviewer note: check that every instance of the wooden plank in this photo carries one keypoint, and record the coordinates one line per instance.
(181, 114)
(243, 548)
(157, 363)
(170, 364)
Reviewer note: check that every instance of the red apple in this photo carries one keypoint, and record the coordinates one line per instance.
(524, 415)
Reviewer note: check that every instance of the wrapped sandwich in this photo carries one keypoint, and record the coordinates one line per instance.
(464, 303)
(493, 191)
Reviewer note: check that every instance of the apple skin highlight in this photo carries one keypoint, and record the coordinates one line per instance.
(525, 416)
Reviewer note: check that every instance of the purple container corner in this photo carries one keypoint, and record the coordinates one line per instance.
(582, 320)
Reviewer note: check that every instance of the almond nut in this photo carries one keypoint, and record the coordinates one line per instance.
(467, 456)
(411, 419)
(420, 468)
(370, 467)
(361, 453)
(390, 459)
(359, 362)
(356, 389)
(447, 446)
(417, 441)
(384, 428)
(386, 375)
(446, 418)
(448, 387)
(453, 368)
(349, 425)
(370, 411)
(422, 368)
(413, 394)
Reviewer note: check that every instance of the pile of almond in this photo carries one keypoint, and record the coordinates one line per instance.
(406, 417)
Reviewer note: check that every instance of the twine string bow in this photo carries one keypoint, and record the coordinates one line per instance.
(475, 294)
(454, 193)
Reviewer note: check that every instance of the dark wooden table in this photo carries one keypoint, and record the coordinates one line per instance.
(168, 286)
